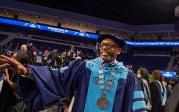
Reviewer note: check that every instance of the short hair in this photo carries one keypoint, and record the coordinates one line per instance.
(144, 72)
(24, 57)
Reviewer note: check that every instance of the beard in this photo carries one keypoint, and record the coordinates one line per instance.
(107, 56)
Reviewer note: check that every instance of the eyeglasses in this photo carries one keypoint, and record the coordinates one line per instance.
(107, 45)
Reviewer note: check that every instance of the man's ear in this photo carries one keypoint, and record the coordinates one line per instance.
(118, 50)
(97, 45)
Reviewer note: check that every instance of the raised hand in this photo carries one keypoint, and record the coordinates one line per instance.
(7, 78)
(7, 62)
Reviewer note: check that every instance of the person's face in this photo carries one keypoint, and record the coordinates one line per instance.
(138, 74)
(68, 53)
(24, 47)
(64, 53)
(55, 50)
(74, 55)
(109, 50)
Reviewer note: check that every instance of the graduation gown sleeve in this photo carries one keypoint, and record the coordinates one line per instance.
(47, 86)
(134, 97)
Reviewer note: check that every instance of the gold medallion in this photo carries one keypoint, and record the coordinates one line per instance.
(102, 102)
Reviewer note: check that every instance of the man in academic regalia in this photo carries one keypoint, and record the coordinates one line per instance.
(99, 85)
(158, 89)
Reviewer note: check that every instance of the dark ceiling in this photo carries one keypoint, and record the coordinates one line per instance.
(136, 12)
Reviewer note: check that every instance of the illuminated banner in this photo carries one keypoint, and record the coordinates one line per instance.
(168, 74)
(77, 33)
(162, 44)
(48, 28)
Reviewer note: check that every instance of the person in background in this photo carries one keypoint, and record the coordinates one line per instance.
(158, 92)
(53, 57)
(142, 76)
(45, 57)
(32, 51)
(23, 47)
(11, 101)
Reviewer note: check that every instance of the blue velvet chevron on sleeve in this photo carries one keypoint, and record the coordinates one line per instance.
(134, 97)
